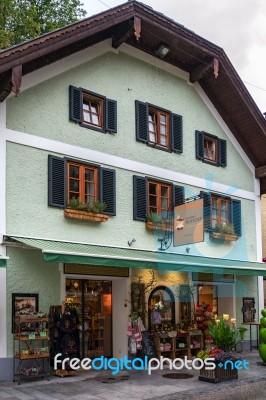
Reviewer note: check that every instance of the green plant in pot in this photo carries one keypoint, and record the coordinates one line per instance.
(155, 218)
(97, 207)
(225, 229)
(224, 336)
(262, 346)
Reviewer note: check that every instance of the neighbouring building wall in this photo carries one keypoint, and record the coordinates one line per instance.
(263, 221)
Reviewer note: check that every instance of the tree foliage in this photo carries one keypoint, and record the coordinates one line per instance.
(21, 20)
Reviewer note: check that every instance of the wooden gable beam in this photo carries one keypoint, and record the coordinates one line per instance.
(203, 69)
(122, 34)
(11, 82)
(5, 86)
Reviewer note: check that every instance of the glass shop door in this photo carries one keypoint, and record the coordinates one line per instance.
(94, 308)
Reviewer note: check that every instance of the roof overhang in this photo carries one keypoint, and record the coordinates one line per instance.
(81, 253)
(140, 26)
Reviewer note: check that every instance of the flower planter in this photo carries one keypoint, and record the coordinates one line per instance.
(157, 227)
(218, 374)
(84, 215)
(224, 236)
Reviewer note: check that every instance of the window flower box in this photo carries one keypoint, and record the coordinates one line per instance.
(155, 227)
(85, 215)
(224, 236)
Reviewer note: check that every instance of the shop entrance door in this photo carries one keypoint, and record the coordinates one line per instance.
(93, 299)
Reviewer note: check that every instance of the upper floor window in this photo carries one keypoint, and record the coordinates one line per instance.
(211, 149)
(159, 195)
(83, 183)
(159, 128)
(92, 110)
(220, 211)
(154, 196)
(88, 183)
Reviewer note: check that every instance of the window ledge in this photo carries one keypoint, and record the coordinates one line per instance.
(223, 236)
(85, 215)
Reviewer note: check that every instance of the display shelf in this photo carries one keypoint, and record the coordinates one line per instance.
(30, 344)
(184, 345)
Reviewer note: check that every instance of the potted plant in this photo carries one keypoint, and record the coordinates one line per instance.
(224, 232)
(86, 211)
(155, 221)
(224, 338)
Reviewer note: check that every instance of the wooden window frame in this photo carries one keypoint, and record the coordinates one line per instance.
(219, 219)
(156, 114)
(82, 181)
(214, 143)
(158, 208)
(88, 99)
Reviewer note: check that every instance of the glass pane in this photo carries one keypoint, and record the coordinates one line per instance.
(164, 204)
(163, 140)
(86, 116)
(151, 127)
(86, 106)
(152, 201)
(163, 129)
(152, 188)
(89, 175)
(89, 188)
(152, 137)
(214, 222)
(164, 191)
(94, 108)
(95, 119)
(74, 186)
(74, 172)
(162, 119)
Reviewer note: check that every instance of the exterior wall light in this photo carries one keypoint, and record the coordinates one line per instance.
(162, 51)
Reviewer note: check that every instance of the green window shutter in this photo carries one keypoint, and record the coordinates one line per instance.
(236, 216)
(141, 121)
(199, 145)
(139, 198)
(108, 190)
(206, 210)
(178, 195)
(56, 181)
(222, 153)
(177, 133)
(110, 116)
(75, 104)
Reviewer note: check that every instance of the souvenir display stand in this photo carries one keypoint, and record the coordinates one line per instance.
(31, 348)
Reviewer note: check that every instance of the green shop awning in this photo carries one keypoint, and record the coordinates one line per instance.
(3, 261)
(79, 253)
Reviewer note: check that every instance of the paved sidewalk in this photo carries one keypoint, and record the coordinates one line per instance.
(136, 385)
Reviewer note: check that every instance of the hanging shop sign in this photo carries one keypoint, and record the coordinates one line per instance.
(188, 223)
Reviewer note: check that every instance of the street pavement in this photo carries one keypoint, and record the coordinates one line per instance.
(138, 385)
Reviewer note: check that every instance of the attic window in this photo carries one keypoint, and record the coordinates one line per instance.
(210, 148)
(92, 110)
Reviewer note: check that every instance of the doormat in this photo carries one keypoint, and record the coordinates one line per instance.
(175, 375)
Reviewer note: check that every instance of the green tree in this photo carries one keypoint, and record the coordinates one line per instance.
(21, 20)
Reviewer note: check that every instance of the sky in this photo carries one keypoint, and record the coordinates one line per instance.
(238, 26)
